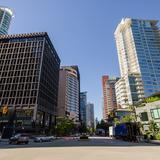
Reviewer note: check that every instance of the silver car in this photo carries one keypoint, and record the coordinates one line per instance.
(19, 138)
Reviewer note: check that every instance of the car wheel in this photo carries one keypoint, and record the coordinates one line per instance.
(16, 142)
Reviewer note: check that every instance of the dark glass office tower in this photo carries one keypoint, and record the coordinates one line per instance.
(29, 75)
(83, 104)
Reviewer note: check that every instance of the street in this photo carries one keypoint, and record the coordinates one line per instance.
(71, 148)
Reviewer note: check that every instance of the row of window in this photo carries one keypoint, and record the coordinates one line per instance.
(16, 101)
(20, 44)
(20, 93)
(20, 73)
(16, 53)
(22, 68)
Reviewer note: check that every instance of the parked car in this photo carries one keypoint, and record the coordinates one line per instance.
(84, 137)
(19, 138)
(44, 139)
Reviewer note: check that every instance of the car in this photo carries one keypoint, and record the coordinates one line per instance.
(44, 139)
(19, 138)
(84, 137)
(37, 139)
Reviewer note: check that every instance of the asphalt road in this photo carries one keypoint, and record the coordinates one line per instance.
(97, 148)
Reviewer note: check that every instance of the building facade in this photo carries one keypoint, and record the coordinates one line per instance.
(129, 89)
(109, 96)
(83, 104)
(147, 113)
(6, 15)
(29, 74)
(90, 115)
(69, 93)
(138, 49)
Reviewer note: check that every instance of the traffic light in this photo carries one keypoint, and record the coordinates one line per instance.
(5, 109)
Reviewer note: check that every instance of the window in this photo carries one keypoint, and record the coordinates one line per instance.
(155, 113)
(144, 116)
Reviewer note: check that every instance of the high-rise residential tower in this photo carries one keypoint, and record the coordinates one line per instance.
(138, 46)
(83, 104)
(90, 115)
(69, 93)
(6, 15)
(109, 96)
(29, 74)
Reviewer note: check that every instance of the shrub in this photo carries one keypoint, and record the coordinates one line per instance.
(157, 136)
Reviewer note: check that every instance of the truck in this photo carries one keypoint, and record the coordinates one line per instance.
(127, 131)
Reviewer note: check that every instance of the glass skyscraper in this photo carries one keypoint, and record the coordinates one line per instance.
(69, 93)
(6, 15)
(138, 46)
(83, 104)
(90, 115)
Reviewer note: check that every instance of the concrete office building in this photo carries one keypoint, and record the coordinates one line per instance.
(138, 49)
(6, 15)
(69, 93)
(29, 74)
(109, 96)
(83, 104)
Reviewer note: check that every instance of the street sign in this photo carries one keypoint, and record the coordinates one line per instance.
(5, 109)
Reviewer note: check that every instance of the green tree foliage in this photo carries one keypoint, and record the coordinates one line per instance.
(153, 132)
(152, 99)
(128, 118)
(103, 125)
(65, 126)
(157, 136)
(116, 121)
(83, 128)
(153, 127)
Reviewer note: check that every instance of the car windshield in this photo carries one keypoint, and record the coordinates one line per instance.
(24, 135)
(16, 135)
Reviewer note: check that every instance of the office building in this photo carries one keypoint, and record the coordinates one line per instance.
(83, 104)
(90, 115)
(139, 58)
(129, 90)
(109, 96)
(69, 93)
(29, 74)
(6, 15)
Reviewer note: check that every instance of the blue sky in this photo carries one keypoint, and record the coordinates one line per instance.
(82, 33)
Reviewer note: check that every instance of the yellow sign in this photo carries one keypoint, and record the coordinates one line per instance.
(5, 109)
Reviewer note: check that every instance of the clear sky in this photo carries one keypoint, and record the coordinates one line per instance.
(82, 33)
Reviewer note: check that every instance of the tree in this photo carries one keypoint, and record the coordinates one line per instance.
(128, 118)
(103, 125)
(83, 128)
(153, 127)
(65, 126)
(116, 121)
